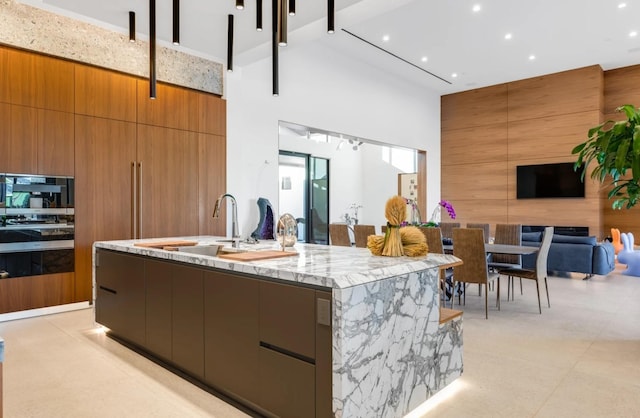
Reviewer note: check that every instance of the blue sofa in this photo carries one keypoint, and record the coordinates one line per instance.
(572, 254)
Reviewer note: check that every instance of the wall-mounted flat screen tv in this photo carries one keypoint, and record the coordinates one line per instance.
(548, 181)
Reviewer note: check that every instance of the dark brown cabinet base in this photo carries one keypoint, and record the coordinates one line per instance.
(258, 341)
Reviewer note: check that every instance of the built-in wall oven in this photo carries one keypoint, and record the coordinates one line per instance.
(37, 225)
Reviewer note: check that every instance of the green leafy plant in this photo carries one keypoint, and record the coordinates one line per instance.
(615, 147)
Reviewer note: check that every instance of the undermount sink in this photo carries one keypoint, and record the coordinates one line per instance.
(210, 250)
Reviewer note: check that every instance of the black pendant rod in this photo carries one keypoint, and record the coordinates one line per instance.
(230, 44)
(331, 10)
(132, 26)
(152, 49)
(176, 22)
(259, 15)
(274, 46)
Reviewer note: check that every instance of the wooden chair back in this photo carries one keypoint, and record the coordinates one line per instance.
(339, 235)
(447, 228)
(361, 233)
(468, 245)
(434, 239)
(485, 228)
(508, 234)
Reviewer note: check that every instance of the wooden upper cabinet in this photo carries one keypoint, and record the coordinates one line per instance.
(104, 94)
(4, 76)
(212, 114)
(55, 146)
(39, 81)
(212, 182)
(22, 145)
(5, 133)
(173, 107)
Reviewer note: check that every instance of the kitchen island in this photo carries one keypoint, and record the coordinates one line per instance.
(330, 331)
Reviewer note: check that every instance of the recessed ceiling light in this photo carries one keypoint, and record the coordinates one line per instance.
(532, 57)
(633, 34)
(476, 8)
(508, 36)
(424, 59)
(454, 75)
(386, 38)
(622, 5)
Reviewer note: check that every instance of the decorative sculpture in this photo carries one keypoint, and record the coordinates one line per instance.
(265, 228)
(629, 256)
(615, 240)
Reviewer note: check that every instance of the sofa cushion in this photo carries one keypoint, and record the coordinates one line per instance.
(532, 236)
(568, 239)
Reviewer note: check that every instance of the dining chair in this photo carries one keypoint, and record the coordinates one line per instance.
(434, 243)
(447, 228)
(507, 234)
(485, 228)
(468, 245)
(361, 233)
(540, 271)
(339, 235)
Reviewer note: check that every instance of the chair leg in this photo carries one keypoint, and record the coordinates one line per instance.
(520, 286)
(479, 289)
(486, 303)
(538, 289)
(513, 292)
(453, 294)
(498, 293)
(546, 288)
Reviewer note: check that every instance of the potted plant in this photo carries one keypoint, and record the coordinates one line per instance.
(615, 147)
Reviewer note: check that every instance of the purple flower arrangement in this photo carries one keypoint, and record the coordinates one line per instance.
(449, 207)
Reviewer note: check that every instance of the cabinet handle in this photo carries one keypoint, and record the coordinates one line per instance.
(106, 289)
(134, 203)
(140, 218)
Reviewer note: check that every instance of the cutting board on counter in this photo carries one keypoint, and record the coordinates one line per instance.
(257, 255)
(168, 243)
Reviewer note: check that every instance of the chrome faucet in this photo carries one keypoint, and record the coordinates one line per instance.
(235, 234)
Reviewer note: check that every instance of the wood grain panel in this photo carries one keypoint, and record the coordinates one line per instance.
(31, 292)
(212, 175)
(22, 149)
(105, 150)
(40, 81)
(626, 220)
(471, 211)
(477, 144)
(558, 212)
(104, 93)
(478, 107)
(422, 181)
(212, 114)
(486, 181)
(567, 92)
(621, 86)
(5, 132)
(5, 92)
(169, 181)
(55, 135)
(174, 107)
(551, 136)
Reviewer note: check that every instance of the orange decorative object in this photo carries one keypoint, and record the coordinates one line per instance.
(617, 244)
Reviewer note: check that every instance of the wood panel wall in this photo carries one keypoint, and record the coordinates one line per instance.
(488, 132)
(621, 86)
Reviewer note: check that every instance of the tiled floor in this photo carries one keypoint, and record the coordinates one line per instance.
(581, 358)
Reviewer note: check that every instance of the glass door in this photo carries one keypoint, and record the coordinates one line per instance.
(304, 193)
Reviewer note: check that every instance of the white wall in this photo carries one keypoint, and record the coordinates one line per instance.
(327, 90)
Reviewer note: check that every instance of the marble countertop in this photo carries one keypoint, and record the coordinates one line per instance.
(319, 265)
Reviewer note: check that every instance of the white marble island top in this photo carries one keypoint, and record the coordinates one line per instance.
(319, 265)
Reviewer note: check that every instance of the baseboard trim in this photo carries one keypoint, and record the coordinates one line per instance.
(11, 316)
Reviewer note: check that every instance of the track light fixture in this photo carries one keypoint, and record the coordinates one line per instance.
(132, 26)
(292, 7)
(176, 22)
(282, 22)
(152, 49)
(239, 4)
(331, 16)
(230, 44)
(259, 15)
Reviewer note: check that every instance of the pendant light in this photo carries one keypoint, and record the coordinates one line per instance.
(132, 26)
(259, 15)
(282, 22)
(331, 16)
(239, 4)
(152, 49)
(176, 22)
(230, 44)
(274, 47)
(292, 7)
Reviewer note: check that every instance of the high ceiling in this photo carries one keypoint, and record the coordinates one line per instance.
(560, 34)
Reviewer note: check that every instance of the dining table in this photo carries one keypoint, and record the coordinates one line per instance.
(501, 249)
